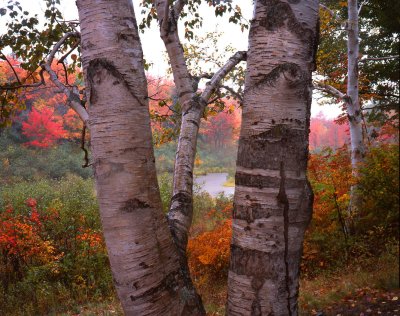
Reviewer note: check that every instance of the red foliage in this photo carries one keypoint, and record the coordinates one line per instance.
(326, 133)
(221, 129)
(21, 237)
(43, 128)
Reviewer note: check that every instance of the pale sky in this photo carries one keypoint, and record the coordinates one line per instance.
(153, 47)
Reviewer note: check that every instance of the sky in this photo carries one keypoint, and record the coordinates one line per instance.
(153, 47)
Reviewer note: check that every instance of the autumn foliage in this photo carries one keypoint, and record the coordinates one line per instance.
(50, 242)
(43, 128)
(22, 240)
(209, 253)
(327, 133)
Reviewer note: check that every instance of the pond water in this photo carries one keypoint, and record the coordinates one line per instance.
(213, 183)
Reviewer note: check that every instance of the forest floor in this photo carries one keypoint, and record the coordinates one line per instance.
(371, 290)
(364, 303)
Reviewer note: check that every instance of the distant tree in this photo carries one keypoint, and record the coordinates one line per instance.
(43, 128)
(327, 133)
(221, 129)
(369, 80)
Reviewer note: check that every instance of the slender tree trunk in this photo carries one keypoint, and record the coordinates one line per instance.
(273, 198)
(353, 105)
(181, 209)
(143, 258)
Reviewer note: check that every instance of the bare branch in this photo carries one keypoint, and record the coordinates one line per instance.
(377, 58)
(361, 6)
(73, 96)
(61, 60)
(221, 73)
(330, 90)
(170, 36)
(234, 93)
(205, 76)
(214, 99)
(59, 44)
(331, 13)
(13, 86)
(12, 68)
(178, 7)
(162, 7)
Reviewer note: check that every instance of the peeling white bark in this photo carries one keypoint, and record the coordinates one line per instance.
(143, 258)
(273, 199)
(181, 209)
(353, 105)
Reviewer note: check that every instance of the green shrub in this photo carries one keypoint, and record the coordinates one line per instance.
(62, 218)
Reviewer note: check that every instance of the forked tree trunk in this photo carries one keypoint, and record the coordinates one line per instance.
(143, 258)
(181, 209)
(273, 198)
(353, 106)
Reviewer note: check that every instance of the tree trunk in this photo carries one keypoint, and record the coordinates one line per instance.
(353, 105)
(143, 258)
(181, 209)
(273, 198)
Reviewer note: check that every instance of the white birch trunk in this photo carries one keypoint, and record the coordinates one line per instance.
(353, 105)
(273, 199)
(181, 209)
(143, 258)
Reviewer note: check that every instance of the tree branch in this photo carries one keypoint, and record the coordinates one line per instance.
(169, 34)
(162, 7)
(59, 44)
(233, 92)
(13, 86)
(361, 6)
(324, 7)
(330, 90)
(12, 68)
(61, 60)
(72, 94)
(178, 7)
(220, 74)
(377, 58)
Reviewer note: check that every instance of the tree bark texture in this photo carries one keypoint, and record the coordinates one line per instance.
(354, 112)
(143, 258)
(273, 198)
(181, 209)
(353, 104)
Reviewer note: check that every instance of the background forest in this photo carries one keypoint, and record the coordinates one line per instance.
(52, 253)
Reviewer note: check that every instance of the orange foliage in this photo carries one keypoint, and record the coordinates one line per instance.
(20, 237)
(208, 253)
(72, 124)
(330, 175)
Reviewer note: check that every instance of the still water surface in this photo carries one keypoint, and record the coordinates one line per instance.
(213, 183)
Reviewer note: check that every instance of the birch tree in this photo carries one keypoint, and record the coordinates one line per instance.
(273, 198)
(149, 267)
(354, 85)
(351, 97)
(142, 255)
(193, 104)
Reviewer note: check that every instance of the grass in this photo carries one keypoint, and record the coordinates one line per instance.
(330, 288)
(315, 294)
(108, 308)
